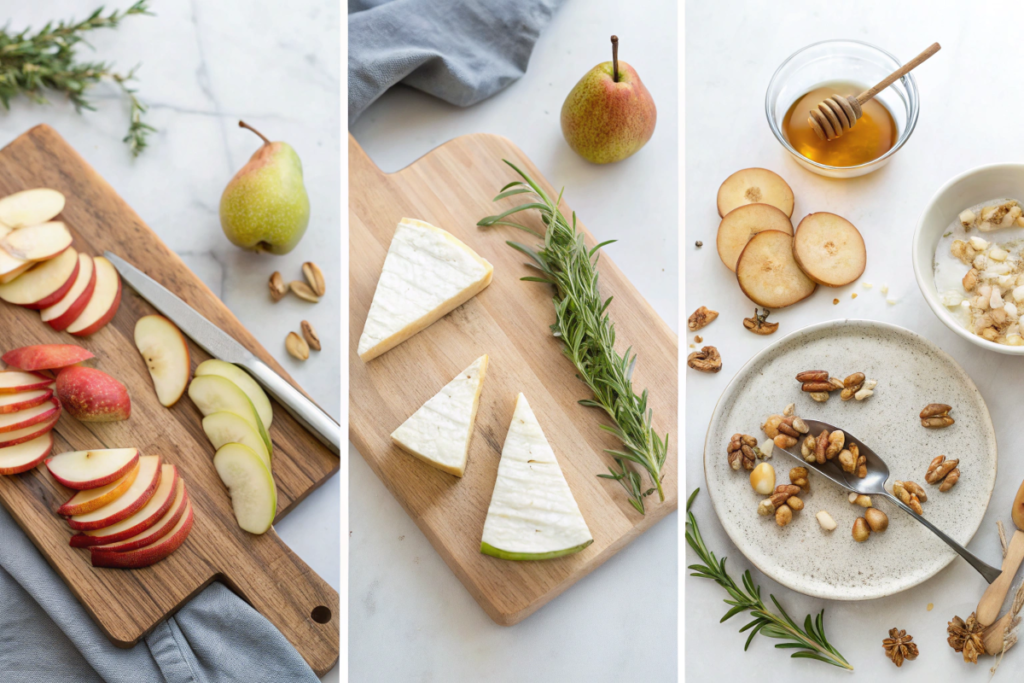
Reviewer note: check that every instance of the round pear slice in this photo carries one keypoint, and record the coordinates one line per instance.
(253, 495)
(246, 383)
(213, 393)
(829, 249)
(225, 427)
(742, 223)
(755, 186)
(768, 274)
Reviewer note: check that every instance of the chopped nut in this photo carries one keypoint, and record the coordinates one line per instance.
(852, 384)
(812, 376)
(702, 317)
(799, 425)
(303, 291)
(783, 515)
(790, 410)
(798, 476)
(936, 416)
(296, 346)
(907, 498)
(309, 334)
(784, 441)
(766, 449)
(917, 490)
(835, 444)
(861, 499)
(315, 278)
(819, 396)
(847, 462)
(784, 492)
(944, 472)
(771, 426)
(876, 519)
(867, 390)
(807, 448)
(795, 504)
(825, 520)
(950, 481)
(741, 451)
(935, 409)
(277, 286)
(861, 530)
(766, 507)
(705, 360)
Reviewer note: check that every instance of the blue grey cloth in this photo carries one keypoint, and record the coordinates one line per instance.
(47, 637)
(461, 52)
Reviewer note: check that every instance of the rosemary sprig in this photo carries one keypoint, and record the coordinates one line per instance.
(585, 328)
(32, 63)
(810, 641)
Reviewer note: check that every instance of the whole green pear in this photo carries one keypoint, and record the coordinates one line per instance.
(265, 206)
(609, 115)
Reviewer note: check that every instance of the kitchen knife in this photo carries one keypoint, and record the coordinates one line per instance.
(221, 345)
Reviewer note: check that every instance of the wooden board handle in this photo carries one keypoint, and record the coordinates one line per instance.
(995, 594)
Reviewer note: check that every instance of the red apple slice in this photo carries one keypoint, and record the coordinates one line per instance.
(91, 395)
(81, 470)
(137, 495)
(37, 242)
(11, 268)
(25, 456)
(11, 422)
(12, 403)
(30, 207)
(16, 382)
(95, 498)
(147, 516)
(63, 313)
(149, 554)
(45, 356)
(28, 433)
(166, 354)
(106, 296)
(155, 532)
(45, 283)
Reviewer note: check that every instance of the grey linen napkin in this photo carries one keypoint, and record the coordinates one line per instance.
(47, 637)
(462, 52)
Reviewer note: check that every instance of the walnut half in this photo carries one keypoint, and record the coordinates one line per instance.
(706, 360)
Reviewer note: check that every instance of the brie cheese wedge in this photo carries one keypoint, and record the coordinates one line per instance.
(439, 432)
(532, 515)
(427, 273)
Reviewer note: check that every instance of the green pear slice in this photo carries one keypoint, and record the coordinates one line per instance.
(226, 427)
(253, 494)
(244, 381)
(533, 515)
(439, 432)
(213, 394)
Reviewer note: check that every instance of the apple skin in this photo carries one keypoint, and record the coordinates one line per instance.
(176, 507)
(45, 447)
(150, 554)
(31, 284)
(606, 121)
(106, 318)
(30, 399)
(133, 505)
(61, 322)
(29, 417)
(169, 478)
(45, 356)
(29, 381)
(116, 490)
(29, 433)
(91, 395)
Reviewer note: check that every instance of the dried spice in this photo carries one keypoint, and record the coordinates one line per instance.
(966, 637)
(759, 323)
(899, 646)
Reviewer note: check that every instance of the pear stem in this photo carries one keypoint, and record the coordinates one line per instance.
(243, 124)
(615, 58)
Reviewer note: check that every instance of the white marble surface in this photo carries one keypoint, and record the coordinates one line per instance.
(204, 66)
(410, 618)
(730, 58)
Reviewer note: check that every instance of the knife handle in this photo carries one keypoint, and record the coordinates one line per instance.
(309, 414)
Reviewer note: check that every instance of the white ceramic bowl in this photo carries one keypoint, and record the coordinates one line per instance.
(967, 189)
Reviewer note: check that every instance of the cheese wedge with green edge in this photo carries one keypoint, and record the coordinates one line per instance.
(427, 273)
(533, 515)
(439, 432)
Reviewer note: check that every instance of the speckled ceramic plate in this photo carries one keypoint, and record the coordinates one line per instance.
(911, 372)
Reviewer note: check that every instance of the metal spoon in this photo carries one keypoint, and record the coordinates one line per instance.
(874, 485)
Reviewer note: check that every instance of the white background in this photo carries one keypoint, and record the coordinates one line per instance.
(204, 66)
(969, 104)
(410, 618)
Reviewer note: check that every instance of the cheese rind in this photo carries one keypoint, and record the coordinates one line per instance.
(427, 273)
(532, 515)
(440, 431)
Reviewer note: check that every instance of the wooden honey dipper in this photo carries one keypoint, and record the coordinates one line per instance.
(838, 114)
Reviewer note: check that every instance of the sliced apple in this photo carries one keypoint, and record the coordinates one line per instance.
(829, 249)
(742, 223)
(755, 186)
(147, 516)
(88, 469)
(213, 393)
(25, 456)
(45, 356)
(30, 207)
(226, 427)
(12, 403)
(37, 242)
(12, 268)
(253, 494)
(137, 495)
(16, 381)
(162, 527)
(91, 395)
(95, 498)
(768, 274)
(10, 422)
(165, 351)
(150, 554)
(244, 381)
(28, 433)
(63, 313)
(45, 283)
(106, 297)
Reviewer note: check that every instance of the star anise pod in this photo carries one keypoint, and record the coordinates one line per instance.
(899, 646)
(966, 637)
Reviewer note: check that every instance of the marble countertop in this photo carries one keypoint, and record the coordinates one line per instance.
(729, 64)
(203, 67)
(622, 618)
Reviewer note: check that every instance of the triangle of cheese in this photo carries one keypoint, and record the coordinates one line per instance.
(427, 273)
(532, 515)
(439, 432)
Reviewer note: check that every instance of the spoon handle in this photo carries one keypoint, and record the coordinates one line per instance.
(898, 73)
(989, 572)
(995, 594)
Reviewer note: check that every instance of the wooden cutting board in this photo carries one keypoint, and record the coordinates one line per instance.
(452, 187)
(127, 604)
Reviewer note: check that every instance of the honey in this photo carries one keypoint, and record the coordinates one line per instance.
(873, 135)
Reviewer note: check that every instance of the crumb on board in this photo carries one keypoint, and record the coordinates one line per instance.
(698, 339)
(854, 295)
(931, 606)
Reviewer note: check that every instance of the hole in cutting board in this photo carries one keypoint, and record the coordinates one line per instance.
(321, 614)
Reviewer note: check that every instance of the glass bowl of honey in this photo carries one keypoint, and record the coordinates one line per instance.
(841, 67)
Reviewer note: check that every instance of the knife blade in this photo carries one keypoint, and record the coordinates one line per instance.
(223, 346)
